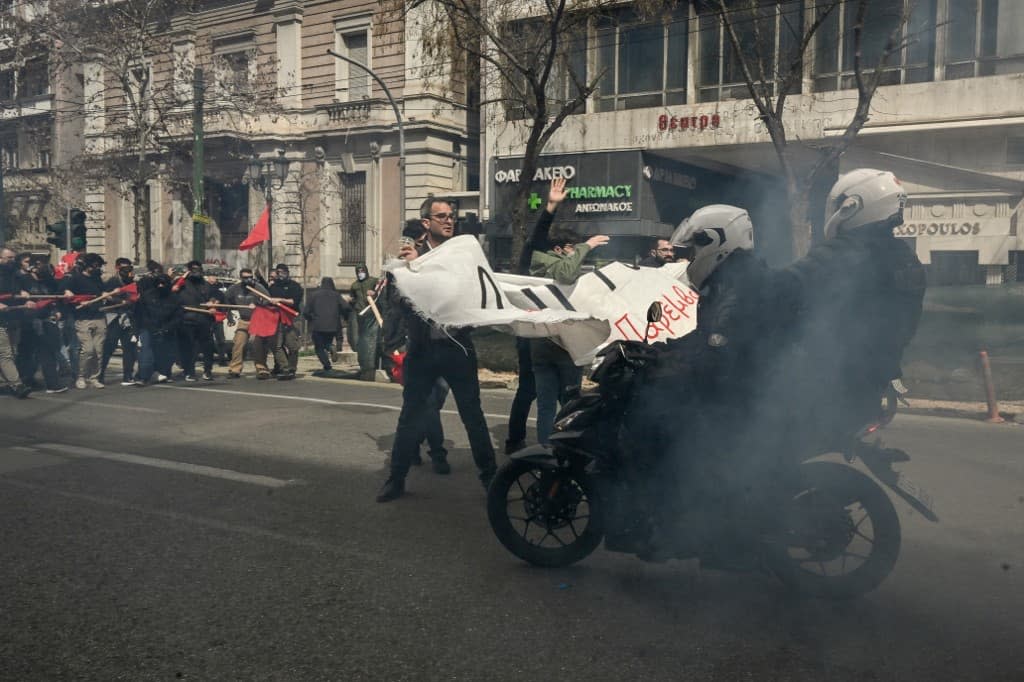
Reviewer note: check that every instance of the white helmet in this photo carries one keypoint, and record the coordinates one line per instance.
(862, 197)
(713, 232)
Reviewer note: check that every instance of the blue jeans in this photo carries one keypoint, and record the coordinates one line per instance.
(156, 353)
(555, 374)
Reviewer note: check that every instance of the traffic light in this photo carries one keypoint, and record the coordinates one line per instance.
(77, 230)
(59, 236)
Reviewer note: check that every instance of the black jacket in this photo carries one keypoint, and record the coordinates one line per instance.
(80, 283)
(858, 301)
(288, 289)
(193, 294)
(158, 312)
(238, 294)
(734, 338)
(326, 308)
(404, 327)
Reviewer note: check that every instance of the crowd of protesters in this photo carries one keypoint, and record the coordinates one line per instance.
(66, 322)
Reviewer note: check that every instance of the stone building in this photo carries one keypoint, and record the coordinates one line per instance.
(324, 128)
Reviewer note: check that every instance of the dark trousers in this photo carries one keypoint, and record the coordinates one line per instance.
(526, 393)
(422, 368)
(287, 342)
(322, 345)
(156, 352)
(192, 340)
(433, 431)
(39, 348)
(117, 334)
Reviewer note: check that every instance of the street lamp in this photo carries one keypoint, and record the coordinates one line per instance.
(268, 173)
(401, 130)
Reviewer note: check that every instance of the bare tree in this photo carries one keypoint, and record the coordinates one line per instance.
(129, 74)
(529, 57)
(772, 74)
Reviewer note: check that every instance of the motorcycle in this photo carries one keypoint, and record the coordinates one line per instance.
(821, 527)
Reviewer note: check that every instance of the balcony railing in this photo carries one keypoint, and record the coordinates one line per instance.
(347, 112)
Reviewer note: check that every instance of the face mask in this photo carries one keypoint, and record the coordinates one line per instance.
(282, 277)
(361, 276)
(195, 276)
(247, 281)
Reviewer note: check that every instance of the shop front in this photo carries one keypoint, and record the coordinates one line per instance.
(631, 196)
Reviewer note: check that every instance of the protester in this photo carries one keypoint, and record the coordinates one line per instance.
(195, 335)
(288, 292)
(394, 339)
(239, 294)
(367, 330)
(556, 375)
(8, 370)
(90, 322)
(121, 324)
(39, 346)
(661, 252)
(219, 341)
(158, 317)
(526, 389)
(326, 309)
(432, 353)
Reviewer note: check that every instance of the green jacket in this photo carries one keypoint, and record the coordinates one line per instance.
(562, 269)
(359, 291)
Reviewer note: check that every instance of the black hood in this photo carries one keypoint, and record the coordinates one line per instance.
(327, 283)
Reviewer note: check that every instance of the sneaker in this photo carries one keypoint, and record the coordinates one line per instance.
(234, 375)
(96, 383)
(392, 490)
(441, 465)
(21, 391)
(163, 379)
(207, 376)
(51, 391)
(263, 375)
(138, 382)
(80, 383)
(286, 376)
(190, 378)
(128, 382)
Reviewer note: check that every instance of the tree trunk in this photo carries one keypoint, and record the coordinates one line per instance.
(137, 212)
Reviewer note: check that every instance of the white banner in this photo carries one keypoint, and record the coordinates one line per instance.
(454, 286)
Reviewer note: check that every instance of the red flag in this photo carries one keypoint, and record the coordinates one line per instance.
(132, 290)
(263, 322)
(260, 231)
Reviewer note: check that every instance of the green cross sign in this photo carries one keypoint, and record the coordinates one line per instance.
(535, 201)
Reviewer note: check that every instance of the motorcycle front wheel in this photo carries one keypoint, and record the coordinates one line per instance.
(841, 534)
(543, 514)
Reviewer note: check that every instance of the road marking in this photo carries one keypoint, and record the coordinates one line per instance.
(93, 403)
(250, 531)
(197, 469)
(320, 401)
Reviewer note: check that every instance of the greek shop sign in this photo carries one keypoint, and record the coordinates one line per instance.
(543, 174)
(954, 229)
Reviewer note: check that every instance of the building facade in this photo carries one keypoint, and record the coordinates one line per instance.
(671, 127)
(270, 91)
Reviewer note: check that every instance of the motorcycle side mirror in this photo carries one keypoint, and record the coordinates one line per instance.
(654, 312)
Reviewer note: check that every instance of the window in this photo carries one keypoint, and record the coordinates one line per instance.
(769, 35)
(641, 62)
(913, 63)
(1015, 151)
(33, 78)
(352, 40)
(568, 73)
(982, 38)
(9, 151)
(234, 65)
(954, 268)
(353, 218)
(6, 86)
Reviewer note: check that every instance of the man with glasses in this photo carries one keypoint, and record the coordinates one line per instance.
(661, 252)
(435, 353)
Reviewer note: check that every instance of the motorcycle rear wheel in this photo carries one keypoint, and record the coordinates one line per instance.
(841, 534)
(544, 515)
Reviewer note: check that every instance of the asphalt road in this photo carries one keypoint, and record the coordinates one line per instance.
(228, 531)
